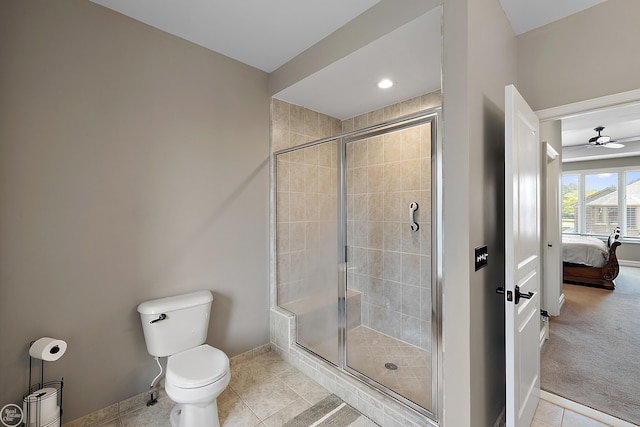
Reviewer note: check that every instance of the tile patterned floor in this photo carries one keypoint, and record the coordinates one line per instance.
(265, 391)
(550, 415)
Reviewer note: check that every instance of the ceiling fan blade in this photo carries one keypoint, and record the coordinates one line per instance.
(572, 148)
(628, 139)
(613, 145)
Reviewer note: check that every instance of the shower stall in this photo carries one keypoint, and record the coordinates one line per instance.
(357, 253)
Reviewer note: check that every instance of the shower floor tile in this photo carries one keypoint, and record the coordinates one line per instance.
(368, 351)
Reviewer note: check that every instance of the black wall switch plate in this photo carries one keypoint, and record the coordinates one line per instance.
(481, 257)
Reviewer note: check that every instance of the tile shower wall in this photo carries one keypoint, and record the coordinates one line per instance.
(388, 263)
(306, 201)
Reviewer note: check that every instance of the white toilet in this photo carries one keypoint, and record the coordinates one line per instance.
(176, 327)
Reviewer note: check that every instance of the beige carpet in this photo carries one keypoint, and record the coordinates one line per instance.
(593, 353)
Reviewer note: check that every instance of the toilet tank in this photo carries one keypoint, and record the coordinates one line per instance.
(174, 324)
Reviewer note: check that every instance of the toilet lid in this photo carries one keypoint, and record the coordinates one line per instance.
(197, 367)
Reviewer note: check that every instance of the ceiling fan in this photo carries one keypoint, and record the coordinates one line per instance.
(603, 140)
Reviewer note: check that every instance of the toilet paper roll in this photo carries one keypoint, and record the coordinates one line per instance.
(49, 349)
(53, 423)
(41, 407)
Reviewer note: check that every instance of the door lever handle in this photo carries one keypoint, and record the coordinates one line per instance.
(501, 290)
(519, 294)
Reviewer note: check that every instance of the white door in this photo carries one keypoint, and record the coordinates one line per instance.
(552, 264)
(522, 248)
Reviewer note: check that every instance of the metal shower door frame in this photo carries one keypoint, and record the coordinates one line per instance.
(434, 117)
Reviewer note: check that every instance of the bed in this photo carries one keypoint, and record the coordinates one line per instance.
(589, 261)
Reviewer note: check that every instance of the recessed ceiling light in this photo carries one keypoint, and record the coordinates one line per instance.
(385, 84)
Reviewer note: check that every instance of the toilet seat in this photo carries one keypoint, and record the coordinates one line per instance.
(197, 367)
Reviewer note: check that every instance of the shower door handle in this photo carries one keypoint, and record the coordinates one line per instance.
(413, 207)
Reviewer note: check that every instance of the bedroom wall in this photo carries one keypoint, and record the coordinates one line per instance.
(584, 56)
(133, 165)
(629, 250)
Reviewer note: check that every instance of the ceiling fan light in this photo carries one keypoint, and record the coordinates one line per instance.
(603, 139)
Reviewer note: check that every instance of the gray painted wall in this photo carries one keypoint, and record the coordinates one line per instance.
(456, 323)
(487, 80)
(584, 56)
(133, 165)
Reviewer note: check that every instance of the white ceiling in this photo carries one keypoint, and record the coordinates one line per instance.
(621, 123)
(263, 34)
(267, 34)
(526, 15)
(409, 56)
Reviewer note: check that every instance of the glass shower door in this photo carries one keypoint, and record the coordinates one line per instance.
(307, 243)
(388, 223)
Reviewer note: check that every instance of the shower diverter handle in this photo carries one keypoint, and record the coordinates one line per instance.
(413, 207)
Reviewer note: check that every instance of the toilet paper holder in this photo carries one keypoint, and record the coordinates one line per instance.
(42, 403)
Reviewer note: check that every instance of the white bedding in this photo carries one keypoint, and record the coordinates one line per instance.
(584, 250)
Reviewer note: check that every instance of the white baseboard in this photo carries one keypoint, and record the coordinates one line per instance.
(627, 263)
(584, 410)
(544, 333)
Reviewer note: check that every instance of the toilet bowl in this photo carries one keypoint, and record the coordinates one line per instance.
(194, 380)
(197, 373)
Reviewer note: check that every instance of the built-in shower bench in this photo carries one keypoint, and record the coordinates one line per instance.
(315, 308)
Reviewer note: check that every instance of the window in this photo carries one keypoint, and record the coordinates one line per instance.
(632, 203)
(570, 203)
(597, 202)
(600, 203)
